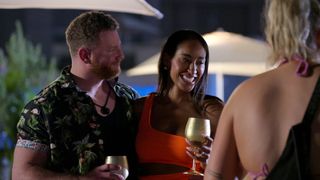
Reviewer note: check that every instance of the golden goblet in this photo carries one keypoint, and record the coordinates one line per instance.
(195, 131)
(119, 160)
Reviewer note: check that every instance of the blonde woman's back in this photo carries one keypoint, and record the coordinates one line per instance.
(264, 110)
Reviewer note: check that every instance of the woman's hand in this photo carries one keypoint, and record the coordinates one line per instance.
(200, 154)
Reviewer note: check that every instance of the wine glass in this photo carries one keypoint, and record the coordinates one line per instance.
(119, 160)
(195, 131)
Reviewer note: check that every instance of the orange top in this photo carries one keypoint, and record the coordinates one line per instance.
(154, 146)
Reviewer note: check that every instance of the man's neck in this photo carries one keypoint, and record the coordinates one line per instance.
(98, 89)
(84, 79)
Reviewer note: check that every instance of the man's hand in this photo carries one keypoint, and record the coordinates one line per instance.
(105, 171)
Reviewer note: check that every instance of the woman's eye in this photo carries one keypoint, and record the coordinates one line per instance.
(200, 62)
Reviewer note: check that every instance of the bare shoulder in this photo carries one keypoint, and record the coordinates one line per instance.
(213, 107)
(213, 102)
(255, 86)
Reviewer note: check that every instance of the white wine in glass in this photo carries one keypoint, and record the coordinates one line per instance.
(195, 131)
(119, 160)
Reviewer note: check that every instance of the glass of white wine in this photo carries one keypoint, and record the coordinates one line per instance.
(119, 160)
(195, 131)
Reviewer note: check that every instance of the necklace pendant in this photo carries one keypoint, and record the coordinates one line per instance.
(104, 110)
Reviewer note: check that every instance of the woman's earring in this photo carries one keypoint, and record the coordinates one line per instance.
(165, 68)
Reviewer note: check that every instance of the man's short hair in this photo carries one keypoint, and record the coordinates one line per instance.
(85, 29)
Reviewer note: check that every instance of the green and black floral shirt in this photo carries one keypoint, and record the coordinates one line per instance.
(62, 121)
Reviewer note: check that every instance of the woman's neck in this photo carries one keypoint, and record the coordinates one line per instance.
(179, 97)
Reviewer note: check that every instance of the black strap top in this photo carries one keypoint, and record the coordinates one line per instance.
(294, 163)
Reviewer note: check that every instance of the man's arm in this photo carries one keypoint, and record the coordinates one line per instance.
(31, 164)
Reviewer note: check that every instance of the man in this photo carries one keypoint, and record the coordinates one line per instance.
(70, 127)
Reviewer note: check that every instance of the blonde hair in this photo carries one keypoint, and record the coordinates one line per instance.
(291, 27)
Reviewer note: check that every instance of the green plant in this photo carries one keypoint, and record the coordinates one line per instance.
(23, 71)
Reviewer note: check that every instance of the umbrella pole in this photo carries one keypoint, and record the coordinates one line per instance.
(220, 86)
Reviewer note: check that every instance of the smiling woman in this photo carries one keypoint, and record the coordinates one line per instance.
(187, 65)
(183, 69)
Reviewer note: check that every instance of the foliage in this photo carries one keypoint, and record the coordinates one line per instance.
(23, 71)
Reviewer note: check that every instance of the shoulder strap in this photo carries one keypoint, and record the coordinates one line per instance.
(146, 113)
(313, 104)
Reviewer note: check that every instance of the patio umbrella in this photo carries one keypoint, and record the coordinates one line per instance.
(129, 6)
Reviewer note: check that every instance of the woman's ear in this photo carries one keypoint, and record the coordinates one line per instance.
(84, 54)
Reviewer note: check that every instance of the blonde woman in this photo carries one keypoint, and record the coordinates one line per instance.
(270, 126)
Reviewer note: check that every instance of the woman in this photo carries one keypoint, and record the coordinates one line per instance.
(160, 144)
(270, 127)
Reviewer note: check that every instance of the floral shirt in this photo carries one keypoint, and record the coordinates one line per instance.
(62, 121)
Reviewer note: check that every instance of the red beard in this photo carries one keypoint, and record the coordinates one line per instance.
(105, 72)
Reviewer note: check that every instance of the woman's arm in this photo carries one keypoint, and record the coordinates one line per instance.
(223, 161)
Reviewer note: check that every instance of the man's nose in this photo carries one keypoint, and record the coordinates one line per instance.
(121, 54)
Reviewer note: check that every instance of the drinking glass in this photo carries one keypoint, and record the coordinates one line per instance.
(195, 131)
(119, 160)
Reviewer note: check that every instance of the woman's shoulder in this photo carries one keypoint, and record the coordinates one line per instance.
(258, 83)
(142, 99)
(208, 97)
(212, 100)
(212, 104)
(139, 103)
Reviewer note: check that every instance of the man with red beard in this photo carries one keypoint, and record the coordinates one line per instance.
(69, 128)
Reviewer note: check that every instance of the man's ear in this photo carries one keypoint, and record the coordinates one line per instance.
(84, 54)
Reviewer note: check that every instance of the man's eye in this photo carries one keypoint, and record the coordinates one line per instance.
(111, 50)
(186, 60)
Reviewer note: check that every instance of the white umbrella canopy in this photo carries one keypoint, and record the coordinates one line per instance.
(129, 6)
(230, 53)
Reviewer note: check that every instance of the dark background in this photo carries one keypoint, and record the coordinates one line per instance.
(142, 36)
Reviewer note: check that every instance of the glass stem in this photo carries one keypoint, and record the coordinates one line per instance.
(193, 165)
